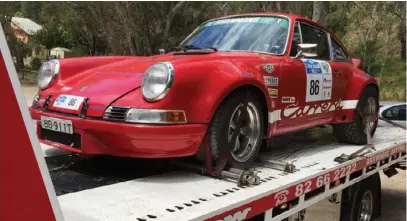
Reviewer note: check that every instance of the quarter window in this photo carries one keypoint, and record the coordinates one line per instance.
(312, 35)
(296, 40)
(338, 54)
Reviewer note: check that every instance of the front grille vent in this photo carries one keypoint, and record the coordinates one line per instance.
(116, 113)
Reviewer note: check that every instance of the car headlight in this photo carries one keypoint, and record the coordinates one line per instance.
(151, 116)
(47, 73)
(157, 81)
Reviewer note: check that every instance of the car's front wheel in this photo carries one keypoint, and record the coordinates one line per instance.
(248, 140)
(355, 132)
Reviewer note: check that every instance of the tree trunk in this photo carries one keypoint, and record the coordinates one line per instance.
(318, 7)
(403, 39)
(278, 6)
(171, 16)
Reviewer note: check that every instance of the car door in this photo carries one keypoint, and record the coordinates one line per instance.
(341, 69)
(303, 91)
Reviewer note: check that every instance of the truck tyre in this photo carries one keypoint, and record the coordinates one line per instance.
(362, 201)
(355, 132)
(250, 136)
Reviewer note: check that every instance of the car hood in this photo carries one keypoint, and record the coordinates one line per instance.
(104, 85)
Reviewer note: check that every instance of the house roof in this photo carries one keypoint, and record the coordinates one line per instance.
(27, 25)
(60, 48)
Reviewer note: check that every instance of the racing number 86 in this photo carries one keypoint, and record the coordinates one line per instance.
(72, 102)
(314, 89)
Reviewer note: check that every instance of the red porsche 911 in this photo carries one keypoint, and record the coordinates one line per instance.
(241, 78)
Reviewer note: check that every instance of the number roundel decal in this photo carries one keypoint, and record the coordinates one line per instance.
(319, 80)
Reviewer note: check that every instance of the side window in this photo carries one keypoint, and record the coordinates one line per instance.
(338, 54)
(396, 113)
(312, 35)
(296, 40)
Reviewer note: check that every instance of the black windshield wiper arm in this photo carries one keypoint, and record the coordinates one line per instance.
(191, 46)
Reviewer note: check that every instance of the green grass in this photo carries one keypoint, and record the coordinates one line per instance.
(393, 88)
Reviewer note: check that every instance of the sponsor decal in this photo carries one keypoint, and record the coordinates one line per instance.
(288, 100)
(319, 80)
(312, 67)
(282, 22)
(327, 81)
(325, 66)
(238, 216)
(295, 111)
(273, 92)
(269, 68)
(61, 99)
(270, 80)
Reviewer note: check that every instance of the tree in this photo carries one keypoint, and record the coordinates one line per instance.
(318, 8)
(18, 49)
(50, 37)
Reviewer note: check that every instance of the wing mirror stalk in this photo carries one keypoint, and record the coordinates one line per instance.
(306, 50)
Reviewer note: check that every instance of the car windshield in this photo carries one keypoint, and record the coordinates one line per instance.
(259, 34)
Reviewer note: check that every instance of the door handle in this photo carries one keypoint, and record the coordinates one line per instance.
(338, 72)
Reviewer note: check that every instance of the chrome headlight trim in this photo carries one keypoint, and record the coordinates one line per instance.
(53, 67)
(168, 84)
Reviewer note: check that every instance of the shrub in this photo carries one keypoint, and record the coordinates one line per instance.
(36, 63)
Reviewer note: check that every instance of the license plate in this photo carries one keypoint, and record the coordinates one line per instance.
(68, 102)
(63, 126)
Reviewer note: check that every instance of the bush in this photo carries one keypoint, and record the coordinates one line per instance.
(36, 64)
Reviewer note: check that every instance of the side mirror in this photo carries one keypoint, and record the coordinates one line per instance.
(161, 51)
(356, 62)
(306, 50)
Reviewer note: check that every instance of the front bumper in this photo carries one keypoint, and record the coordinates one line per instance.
(97, 136)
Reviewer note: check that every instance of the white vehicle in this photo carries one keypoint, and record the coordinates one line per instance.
(394, 111)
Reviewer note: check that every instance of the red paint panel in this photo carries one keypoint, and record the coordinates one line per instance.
(22, 190)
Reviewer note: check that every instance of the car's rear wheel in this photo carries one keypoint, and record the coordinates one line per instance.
(355, 132)
(249, 137)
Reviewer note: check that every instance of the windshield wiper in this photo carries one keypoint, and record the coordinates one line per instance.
(191, 47)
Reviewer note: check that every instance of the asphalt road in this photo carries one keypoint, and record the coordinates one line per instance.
(88, 173)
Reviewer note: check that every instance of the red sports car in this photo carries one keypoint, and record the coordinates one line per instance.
(244, 78)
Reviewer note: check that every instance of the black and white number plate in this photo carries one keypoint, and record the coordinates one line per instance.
(63, 126)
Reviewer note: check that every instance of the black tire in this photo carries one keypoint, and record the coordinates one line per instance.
(219, 127)
(354, 132)
(352, 196)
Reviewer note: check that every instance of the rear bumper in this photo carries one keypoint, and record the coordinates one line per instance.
(130, 140)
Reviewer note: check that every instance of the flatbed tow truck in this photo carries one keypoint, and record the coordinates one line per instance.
(281, 186)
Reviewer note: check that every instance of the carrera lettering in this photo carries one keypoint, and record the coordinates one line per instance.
(293, 111)
(238, 216)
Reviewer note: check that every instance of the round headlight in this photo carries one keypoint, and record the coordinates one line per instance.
(157, 81)
(47, 73)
